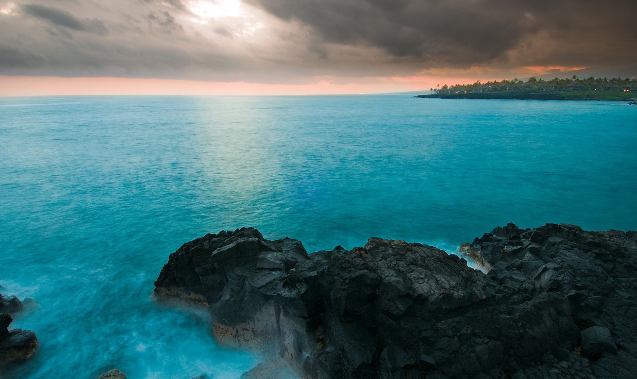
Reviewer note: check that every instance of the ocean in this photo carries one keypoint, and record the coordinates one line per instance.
(96, 192)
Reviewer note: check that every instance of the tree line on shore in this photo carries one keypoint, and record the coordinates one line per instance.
(574, 83)
(566, 88)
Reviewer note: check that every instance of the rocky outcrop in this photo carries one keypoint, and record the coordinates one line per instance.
(15, 345)
(112, 374)
(393, 309)
(595, 271)
(10, 305)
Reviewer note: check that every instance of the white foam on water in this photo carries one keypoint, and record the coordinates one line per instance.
(91, 329)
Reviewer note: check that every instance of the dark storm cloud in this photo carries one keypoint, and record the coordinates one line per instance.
(464, 33)
(299, 40)
(63, 18)
(409, 28)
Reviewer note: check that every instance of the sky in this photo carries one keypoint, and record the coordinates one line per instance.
(57, 47)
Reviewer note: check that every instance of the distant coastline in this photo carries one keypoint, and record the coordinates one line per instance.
(615, 89)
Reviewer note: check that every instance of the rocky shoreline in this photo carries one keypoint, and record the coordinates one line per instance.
(557, 302)
(16, 345)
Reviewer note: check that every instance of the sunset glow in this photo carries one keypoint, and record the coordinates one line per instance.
(46, 86)
(308, 47)
(543, 70)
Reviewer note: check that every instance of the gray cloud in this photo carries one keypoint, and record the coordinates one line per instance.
(164, 21)
(63, 18)
(297, 41)
(15, 58)
(175, 4)
(464, 33)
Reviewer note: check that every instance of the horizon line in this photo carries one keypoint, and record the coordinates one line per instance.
(34, 86)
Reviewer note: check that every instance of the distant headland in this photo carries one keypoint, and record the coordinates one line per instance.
(615, 89)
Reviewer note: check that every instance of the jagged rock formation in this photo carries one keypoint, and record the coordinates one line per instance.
(397, 310)
(15, 345)
(10, 305)
(595, 271)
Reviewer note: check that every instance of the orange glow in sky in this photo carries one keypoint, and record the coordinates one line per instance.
(542, 70)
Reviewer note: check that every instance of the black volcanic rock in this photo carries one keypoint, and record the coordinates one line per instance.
(5, 321)
(596, 340)
(10, 305)
(113, 374)
(274, 368)
(393, 309)
(15, 345)
(595, 271)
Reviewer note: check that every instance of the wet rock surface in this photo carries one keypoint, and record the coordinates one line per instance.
(15, 345)
(393, 309)
(274, 368)
(10, 305)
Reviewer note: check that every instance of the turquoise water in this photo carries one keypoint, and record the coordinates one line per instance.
(96, 192)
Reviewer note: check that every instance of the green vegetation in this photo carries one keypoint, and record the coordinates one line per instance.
(616, 89)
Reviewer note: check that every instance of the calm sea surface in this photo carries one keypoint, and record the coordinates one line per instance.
(96, 192)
